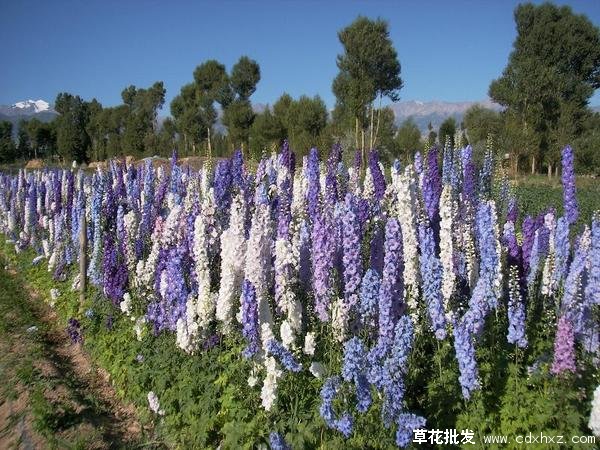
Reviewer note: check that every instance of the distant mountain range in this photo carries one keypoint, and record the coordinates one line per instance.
(422, 113)
(26, 110)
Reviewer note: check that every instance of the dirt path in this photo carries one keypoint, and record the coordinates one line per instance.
(51, 395)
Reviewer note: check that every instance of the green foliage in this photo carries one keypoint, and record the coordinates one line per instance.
(551, 73)
(408, 139)
(72, 138)
(7, 146)
(368, 68)
(447, 131)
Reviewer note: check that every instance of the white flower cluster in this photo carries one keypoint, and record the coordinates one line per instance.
(258, 260)
(233, 251)
(154, 404)
(447, 219)
(406, 206)
(550, 224)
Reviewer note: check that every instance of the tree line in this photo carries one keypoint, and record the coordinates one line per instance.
(544, 90)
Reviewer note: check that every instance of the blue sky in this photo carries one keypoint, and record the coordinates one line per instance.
(449, 50)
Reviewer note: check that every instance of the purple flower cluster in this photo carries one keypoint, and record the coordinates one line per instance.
(564, 348)
(250, 319)
(432, 186)
(284, 356)
(431, 271)
(277, 442)
(351, 251)
(369, 295)
(329, 391)
(322, 252)
(74, 331)
(568, 182)
(465, 355)
(354, 370)
(390, 296)
(378, 178)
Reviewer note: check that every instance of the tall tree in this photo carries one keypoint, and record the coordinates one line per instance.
(368, 69)
(7, 145)
(408, 138)
(72, 139)
(238, 115)
(555, 61)
(141, 121)
(447, 131)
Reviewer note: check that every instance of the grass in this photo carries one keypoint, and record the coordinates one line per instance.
(50, 404)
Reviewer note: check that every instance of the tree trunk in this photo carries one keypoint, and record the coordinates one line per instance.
(364, 153)
(556, 170)
(533, 165)
(371, 140)
(549, 170)
(356, 132)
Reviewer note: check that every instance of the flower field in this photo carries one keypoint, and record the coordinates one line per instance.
(308, 304)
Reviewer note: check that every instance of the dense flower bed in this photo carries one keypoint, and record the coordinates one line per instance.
(303, 262)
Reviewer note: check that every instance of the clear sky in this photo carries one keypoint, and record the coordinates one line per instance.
(449, 50)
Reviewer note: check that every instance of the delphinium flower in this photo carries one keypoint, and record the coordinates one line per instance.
(568, 182)
(314, 184)
(114, 271)
(390, 293)
(564, 347)
(516, 310)
(258, 262)
(205, 306)
(447, 222)
(431, 271)
(131, 236)
(378, 178)
(94, 272)
(173, 289)
(285, 264)
(571, 301)
(487, 289)
(594, 420)
(154, 404)
(237, 169)
(369, 295)
(432, 186)
(395, 367)
(250, 319)
(351, 251)
(342, 180)
(354, 370)
(465, 355)
(277, 442)
(233, 251)
(447, 165)
(550, 227)
(322, 253)
(469, 193)
(283, 355)
(222, 190)
(268, 393)
(486, 173)
(147, 198)
(368, 191)
(376, 246)
(329, 391)
(592, 289)
(534, 259)
(74, 331)
(528, 231)
(406, 205)
(407, 424)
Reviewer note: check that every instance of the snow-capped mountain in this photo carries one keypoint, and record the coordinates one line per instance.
(27, 110)
(25, 107)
